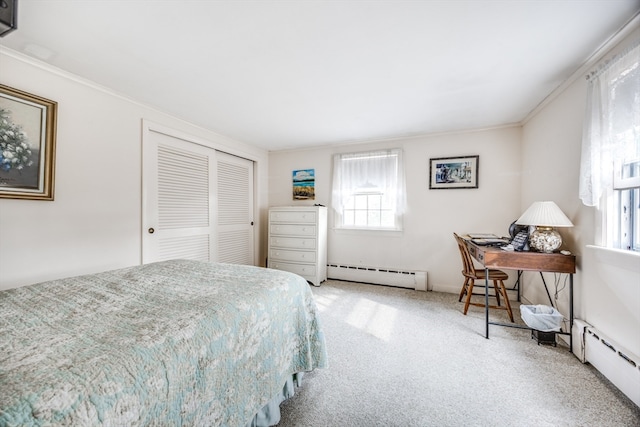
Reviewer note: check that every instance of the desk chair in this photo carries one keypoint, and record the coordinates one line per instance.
(471, 274)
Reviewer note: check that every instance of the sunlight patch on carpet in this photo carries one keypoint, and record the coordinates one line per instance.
(374, 318)
(323, 302)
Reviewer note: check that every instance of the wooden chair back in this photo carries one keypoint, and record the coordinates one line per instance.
(468, 268)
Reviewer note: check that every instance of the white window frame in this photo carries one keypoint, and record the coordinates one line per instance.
(625, 221)
(384, 179)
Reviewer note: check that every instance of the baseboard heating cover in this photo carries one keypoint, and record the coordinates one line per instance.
(382, 276)
(620, 366)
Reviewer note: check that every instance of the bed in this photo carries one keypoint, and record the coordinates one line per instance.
(178, 342)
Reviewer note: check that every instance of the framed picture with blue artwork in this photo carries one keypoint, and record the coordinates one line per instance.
(453, 172)
(27, 145)
(304, 184)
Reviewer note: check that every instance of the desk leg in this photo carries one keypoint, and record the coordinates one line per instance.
(571, 313)
(486, 302)
(547, 289)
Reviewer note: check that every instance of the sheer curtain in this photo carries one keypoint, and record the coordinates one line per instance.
(612, 125)
(378, 171)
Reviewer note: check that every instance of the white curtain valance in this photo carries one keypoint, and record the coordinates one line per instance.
(612, 124)
(379, 171)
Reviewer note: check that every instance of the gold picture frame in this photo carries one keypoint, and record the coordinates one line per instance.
(27, 145)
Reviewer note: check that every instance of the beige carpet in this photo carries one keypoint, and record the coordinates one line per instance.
(399, 357)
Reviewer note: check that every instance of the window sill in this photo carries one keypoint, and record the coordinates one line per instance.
(618, 257)
(368, 231)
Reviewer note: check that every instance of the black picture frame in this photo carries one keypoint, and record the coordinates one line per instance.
(453, 172)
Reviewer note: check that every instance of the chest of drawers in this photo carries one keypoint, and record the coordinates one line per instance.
(298, 241)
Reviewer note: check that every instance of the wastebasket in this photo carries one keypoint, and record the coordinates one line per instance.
(541, 317)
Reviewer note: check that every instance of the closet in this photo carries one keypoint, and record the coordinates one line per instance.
(197, 202)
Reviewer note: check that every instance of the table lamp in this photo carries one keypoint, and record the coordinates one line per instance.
(544, 216)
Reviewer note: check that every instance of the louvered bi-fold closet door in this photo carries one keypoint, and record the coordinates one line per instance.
(234, 226)
(178, 201)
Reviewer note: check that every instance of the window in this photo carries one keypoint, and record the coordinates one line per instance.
(626, 206)
(369, 190)
(610, 163)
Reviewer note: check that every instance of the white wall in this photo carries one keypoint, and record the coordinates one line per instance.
(607, 282)
(550, 167)
(94, 223)
(427, 242)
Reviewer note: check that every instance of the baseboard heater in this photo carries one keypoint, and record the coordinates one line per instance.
(382, 276)
(620, 366)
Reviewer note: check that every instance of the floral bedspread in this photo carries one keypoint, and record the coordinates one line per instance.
(172, 343)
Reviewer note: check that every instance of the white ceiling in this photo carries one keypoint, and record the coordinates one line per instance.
(285, 74)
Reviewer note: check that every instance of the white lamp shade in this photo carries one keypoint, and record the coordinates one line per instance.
(544, 214)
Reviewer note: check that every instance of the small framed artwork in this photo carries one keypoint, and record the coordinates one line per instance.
(27, 145)
(304, 184)
(453, 172)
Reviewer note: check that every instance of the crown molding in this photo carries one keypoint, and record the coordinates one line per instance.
(626, 30)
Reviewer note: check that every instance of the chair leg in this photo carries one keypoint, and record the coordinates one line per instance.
(469, 293)
(498, 292)
(506, 300)
(464, 288)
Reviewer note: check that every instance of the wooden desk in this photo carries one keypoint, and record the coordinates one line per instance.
(491, 257)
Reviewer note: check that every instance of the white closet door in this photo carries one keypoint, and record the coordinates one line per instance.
(234, 226)
(178, 200)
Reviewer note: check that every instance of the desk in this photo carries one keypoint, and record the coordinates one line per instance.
(491, 257)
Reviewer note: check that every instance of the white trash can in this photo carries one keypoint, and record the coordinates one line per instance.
(542, 317)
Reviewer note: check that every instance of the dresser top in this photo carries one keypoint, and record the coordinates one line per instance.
(297, 208)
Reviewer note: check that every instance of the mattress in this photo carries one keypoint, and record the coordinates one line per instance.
(172, 343)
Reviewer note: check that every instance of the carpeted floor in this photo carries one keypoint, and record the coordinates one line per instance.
(399, 357)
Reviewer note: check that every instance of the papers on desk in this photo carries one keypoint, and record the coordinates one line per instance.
(487, 239)
(490, 241)
(482, 236)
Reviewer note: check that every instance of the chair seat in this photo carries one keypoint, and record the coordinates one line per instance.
(493, 274)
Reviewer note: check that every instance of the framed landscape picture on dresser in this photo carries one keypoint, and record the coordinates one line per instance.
(304, 184)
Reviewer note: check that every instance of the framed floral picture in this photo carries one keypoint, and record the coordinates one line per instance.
(27, 145)
(453, 172)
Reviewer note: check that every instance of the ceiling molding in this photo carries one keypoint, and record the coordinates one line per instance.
(632, 25)
(396, 138)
